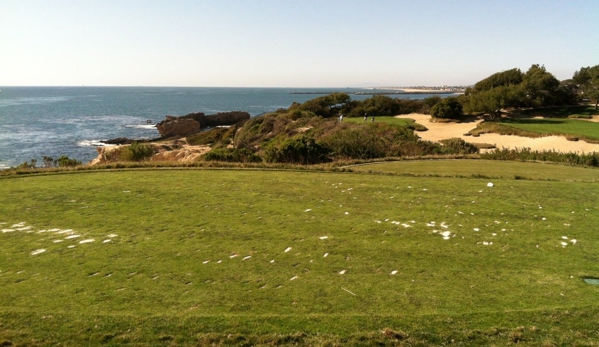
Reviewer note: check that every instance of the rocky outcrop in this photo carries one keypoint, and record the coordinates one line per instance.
(226, 118)
(119, 141)
(178, 127)
(192, 123)
(170, 151)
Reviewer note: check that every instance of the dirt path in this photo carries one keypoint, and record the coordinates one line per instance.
(440, 131)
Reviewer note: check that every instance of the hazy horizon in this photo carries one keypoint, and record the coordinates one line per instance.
(290, 44)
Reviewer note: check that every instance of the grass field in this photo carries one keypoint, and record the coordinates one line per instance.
(561, 126)
(484, 169)
(389, 120)
(578, 111)
(225, 257)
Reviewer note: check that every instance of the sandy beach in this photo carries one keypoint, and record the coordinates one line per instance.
(440, 131)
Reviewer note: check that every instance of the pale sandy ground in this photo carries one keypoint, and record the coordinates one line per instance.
(440, 131)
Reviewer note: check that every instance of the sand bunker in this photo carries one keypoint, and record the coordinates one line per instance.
(441, 131)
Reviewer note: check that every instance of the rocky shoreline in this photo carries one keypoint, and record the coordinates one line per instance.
(171, 145)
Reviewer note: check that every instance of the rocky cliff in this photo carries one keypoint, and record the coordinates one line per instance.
(192, 123)
(168, 151)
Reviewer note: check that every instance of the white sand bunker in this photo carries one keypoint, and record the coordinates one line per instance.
(441, 131)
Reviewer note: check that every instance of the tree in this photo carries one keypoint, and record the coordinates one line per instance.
(588, 81)
(511, 88)
(447, 108)
(540, 88)
(492, 101)
(500, 79)
(326, 106)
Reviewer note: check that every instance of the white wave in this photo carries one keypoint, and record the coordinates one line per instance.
(93, 143)
(142, 126)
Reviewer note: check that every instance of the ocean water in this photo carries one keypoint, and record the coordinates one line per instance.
(56, 121)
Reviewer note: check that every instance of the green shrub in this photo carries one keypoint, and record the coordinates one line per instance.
(526, 154)
(65, 161)
(136, 152)
(458, 146)
(297, 150)
(374, 140)
(28, 165)
(232, 155)
(212, 137)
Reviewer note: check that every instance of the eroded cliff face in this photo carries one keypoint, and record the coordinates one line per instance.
(170, 151)
(192, 123)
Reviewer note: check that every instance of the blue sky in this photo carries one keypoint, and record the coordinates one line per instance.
(279, 43)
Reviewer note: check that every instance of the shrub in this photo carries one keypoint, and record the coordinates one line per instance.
(458, 146)
(374, 140)
(28, 165)
(65, 161)
(212, 137)
(136, 152)
(297, 150)
(233, 155)
(526, 154)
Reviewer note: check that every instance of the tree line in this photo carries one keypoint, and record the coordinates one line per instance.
(514, 89)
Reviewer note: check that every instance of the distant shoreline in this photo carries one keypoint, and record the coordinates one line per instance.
(410, 92)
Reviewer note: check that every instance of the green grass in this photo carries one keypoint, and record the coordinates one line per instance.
(578, 111)
(175, 273)
(535, 127)
(484, 168)
(410, 123)
(560, 126)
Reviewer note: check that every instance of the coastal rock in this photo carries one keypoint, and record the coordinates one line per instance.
(178, 127)
(119, 141)
(169, 151)
(192, 123)
(226, 118)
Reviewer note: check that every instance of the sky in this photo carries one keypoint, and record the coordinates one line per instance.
(289, 43)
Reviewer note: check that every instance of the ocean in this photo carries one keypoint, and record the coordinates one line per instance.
(56, 121)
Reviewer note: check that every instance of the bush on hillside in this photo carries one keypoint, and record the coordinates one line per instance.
(65, 161)
(457, 145)
(373, 140)
(136, 152)
(325, 106)
(232, 155)
(526, 154)
(384, 106)
(215, 136)
(297, 150)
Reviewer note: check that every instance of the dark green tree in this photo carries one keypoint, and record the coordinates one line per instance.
(325, 106)
(492, 101)
(539, 87)
(447, 108)
(500, 79)
(587, 79)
